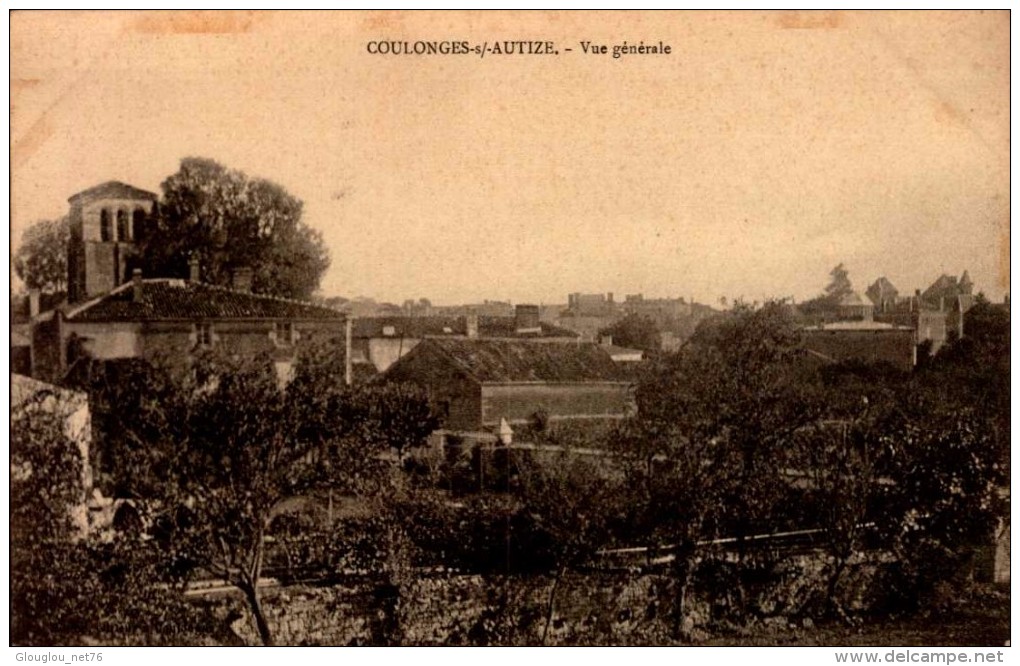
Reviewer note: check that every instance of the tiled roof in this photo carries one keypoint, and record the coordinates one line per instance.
(113, 189)
(170, 299)
(510, 361)
(438, 326)
(406, 327)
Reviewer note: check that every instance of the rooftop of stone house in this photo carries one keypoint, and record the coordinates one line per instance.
(515, 361)
(174, 299)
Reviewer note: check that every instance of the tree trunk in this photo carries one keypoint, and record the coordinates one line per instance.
(251, 593)
(550, 606)
(834, 606)
(684, 572)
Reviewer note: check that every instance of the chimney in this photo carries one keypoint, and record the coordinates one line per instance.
(606, 340)
(526, 319)
(471, 325)
(194, 274)
(136, 285)
(33, 302)
(241, 278)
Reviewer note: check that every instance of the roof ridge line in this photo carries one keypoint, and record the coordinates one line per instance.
(75, 311)
(282, 299)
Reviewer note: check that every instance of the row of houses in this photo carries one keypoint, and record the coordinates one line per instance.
(483, 369)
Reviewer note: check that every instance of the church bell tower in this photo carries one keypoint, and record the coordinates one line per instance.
(106, 221)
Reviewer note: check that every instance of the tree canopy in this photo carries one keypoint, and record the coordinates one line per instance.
(636, 332)
(228, 220)
(41, 259)
(838, 287)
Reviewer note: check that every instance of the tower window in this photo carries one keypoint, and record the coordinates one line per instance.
(138, 224)
(105, 226)
(123, 233)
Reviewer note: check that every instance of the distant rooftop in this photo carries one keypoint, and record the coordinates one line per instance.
(439, 326)
(511, 361)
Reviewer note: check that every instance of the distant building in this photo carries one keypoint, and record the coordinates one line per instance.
(936, 315)
(869, 341)
(663, 311)
(475, 384)
(381, 341)
(853, 307)
(485, 309)
(882, 294)
(591, 305)
(952, 296)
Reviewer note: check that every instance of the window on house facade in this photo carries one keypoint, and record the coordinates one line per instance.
(284, 333)
(205, 335)
(105, 226)
(123, 233)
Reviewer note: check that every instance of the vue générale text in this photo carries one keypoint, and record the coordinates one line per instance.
(513, 48)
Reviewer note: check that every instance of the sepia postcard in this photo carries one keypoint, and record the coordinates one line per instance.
(511, 328)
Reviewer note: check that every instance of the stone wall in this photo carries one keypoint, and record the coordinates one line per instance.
(594, 608)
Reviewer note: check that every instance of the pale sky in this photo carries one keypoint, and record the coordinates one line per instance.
(765, 149)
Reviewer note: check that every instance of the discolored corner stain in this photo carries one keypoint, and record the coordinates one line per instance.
(383, 20)
(21, 85)
(198, 22)
(37, 135)
(809, 20)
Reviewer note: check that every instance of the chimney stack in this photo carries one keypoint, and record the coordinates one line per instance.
(33, 302)
(242, 278)
(194, 273)
(136, 285)
(471, 325)
(606, 340)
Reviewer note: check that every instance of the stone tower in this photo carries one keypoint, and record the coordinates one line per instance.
(106, 221)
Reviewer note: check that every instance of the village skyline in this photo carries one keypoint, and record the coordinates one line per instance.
(764, 150)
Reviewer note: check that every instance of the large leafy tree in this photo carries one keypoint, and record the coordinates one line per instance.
(711, 442)
(228, 220)
(221, 451)
(636, 332)
(41, 259)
